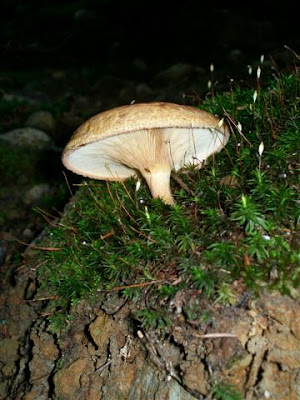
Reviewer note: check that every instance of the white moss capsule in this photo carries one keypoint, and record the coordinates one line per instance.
(258, 72)
(221, 123)
(254, 96)
(261, 148)
(137, 185)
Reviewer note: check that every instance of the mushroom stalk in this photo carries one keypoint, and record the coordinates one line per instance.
(158, 180)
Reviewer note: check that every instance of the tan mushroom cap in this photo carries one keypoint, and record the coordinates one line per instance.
(140, 116)
(153, 138)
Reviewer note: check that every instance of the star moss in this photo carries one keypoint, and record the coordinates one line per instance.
(235, 220)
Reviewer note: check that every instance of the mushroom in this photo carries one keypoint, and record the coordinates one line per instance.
(152, 138)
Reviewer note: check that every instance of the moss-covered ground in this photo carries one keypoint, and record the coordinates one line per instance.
(234, 227)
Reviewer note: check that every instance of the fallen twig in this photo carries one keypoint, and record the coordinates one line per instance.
(216, 335)
(134, 285)
(33, 246)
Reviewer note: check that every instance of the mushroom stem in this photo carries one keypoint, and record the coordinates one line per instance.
(158, 180)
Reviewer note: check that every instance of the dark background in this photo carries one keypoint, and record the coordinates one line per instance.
(112, 35)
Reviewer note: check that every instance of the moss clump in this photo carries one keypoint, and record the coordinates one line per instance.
(225, 391)
(237, 223)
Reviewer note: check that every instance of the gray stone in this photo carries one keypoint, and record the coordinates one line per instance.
(180, 72)
(144, 92)
(42, 120)
(28, 137)
(36, 193)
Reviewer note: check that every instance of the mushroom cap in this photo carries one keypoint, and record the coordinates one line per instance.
(87, 152)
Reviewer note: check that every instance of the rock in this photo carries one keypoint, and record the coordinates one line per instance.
(42, 120)
(280, 308)
(58, 74)
(36, 193)
(8, 349)
(180, 72)
(147, 385)
(279, 383)
(139, 65)
(144, 92)
(68, 379)
(195, 378)
(28, 137)
(35, 393)
(295, 327)
(83, 15)
(10, 97)
(176, 72)
(127, 94)
(100, 330)
(44, 354)
(28, 234)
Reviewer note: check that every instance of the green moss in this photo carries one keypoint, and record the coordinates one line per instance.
(154, 319)
(225, 391)
(222, 231)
